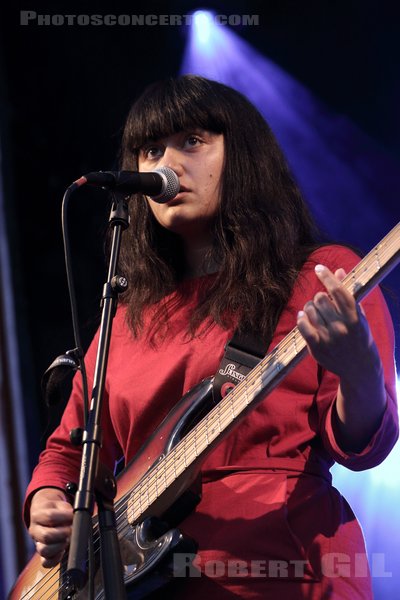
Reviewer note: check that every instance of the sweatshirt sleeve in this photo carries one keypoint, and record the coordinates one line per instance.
(60, 462)
(381, 326)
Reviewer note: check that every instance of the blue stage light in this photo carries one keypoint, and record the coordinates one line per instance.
(203, 25)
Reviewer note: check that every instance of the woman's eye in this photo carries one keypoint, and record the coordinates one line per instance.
(152, 152)
(192, 140)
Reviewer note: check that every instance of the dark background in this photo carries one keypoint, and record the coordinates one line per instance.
(66, 91)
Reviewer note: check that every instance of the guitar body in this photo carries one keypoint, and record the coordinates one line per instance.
(147, 545)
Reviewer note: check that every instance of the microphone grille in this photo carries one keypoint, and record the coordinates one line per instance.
(171, 185)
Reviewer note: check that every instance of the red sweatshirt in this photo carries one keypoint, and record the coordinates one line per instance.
(269, 521)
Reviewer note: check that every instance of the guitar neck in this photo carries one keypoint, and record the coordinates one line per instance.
(375, 265)
(196, 445)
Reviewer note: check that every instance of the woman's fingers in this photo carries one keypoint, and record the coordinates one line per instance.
(341, 298)
(50, 525)
(334, 326)
(50, 554)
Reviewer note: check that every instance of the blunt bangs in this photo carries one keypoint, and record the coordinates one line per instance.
(172, 106)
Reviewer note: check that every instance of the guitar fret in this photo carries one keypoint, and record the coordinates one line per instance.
(219, 418)
(232, 408)
(378, 264)
(212, 431)
(158, 479)
(195, 443)
(204, 441)
(156, 483)
(179, 467)
(147, 496)
(140, 494)
(206, 430)
(246, 395)
(184, 451)
(165, 477)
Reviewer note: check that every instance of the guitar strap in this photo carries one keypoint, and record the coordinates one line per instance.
(242, 353)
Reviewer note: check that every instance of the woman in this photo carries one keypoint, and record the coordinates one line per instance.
(236, 250)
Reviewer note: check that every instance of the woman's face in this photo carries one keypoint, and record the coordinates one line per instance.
(197, 157)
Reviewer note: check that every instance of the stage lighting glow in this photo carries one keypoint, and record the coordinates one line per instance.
(203, 25)
(386, 476)
(208, 43)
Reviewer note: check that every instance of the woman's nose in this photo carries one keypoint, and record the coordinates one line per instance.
(173, 159)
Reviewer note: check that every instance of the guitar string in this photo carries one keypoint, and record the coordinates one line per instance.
(121, 511)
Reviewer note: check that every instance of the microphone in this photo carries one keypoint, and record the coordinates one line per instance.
(161, 185)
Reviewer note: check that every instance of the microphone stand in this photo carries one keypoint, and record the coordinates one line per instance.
(93, 481)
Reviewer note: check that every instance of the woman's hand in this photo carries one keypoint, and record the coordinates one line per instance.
(50, 525)
(339, 338)
(335, 328)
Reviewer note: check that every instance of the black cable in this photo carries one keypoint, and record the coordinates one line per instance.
(72, 296)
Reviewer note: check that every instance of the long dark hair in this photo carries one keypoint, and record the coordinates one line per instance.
(263, 231)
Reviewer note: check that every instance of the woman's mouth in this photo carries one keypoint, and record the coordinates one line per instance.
(182, 191)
